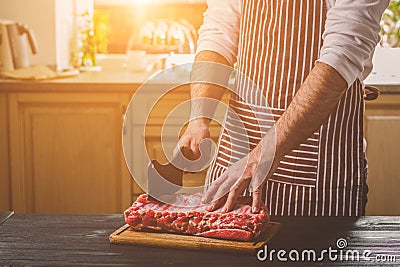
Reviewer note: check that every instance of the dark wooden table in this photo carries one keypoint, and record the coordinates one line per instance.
(48, 240)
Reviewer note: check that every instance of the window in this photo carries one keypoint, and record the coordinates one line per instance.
(126, 17)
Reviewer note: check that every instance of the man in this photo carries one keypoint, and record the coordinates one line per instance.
(308, 58)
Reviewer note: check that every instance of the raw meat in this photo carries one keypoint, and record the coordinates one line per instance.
(189, 216)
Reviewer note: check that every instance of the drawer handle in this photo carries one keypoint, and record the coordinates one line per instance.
(371, 92)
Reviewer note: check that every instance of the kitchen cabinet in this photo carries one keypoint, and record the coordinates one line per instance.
(66, 154)
(61, 144)
(5, 201)
(382, 131)
(62, 149)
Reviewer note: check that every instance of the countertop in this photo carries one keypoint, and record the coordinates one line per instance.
(49, 240)
(116, 78)
(105, 80)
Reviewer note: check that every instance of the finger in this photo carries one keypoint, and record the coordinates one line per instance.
(194, 146)
(257, 195)
(230, 202)
(185, 141)
(215, 185)
(216, 204)
(233, 195)
(256, 201)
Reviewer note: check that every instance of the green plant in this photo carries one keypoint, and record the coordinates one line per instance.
(390, 25)
(101, 30)
(93, 38)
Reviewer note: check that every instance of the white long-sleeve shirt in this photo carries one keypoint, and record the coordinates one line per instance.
(351, 33)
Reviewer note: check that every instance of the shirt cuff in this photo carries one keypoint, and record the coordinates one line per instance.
(342, 65)
(210, 45)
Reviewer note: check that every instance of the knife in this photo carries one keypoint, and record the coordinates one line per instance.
(167, 179)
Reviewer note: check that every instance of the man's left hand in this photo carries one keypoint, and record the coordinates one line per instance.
(226, 189)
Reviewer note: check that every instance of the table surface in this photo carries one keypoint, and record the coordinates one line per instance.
(49, 240)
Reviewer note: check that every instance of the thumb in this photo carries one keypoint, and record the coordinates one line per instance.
(195, 148)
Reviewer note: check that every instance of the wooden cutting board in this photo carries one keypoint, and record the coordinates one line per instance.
(125, 235)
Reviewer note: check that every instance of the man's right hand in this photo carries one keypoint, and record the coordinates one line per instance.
(195, 133)
(201, 109)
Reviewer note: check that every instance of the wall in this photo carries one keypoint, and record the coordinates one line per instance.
(39, 15)
(52, 22)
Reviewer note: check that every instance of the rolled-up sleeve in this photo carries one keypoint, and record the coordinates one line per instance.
(220, 29)
(351, 34)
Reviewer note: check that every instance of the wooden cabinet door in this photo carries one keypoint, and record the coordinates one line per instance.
(382, 131)
(5, 182)
(66, 153)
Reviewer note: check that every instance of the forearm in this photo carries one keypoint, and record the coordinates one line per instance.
(314, 102)
(201, 108)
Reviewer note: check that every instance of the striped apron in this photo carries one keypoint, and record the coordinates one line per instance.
(279, 42)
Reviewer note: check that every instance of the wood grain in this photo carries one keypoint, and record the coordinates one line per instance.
(5, 181)
(125, 235)
(382, 131)
(82, 240)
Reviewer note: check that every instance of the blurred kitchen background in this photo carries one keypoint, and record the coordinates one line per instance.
(69, 69)
(72, 32)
